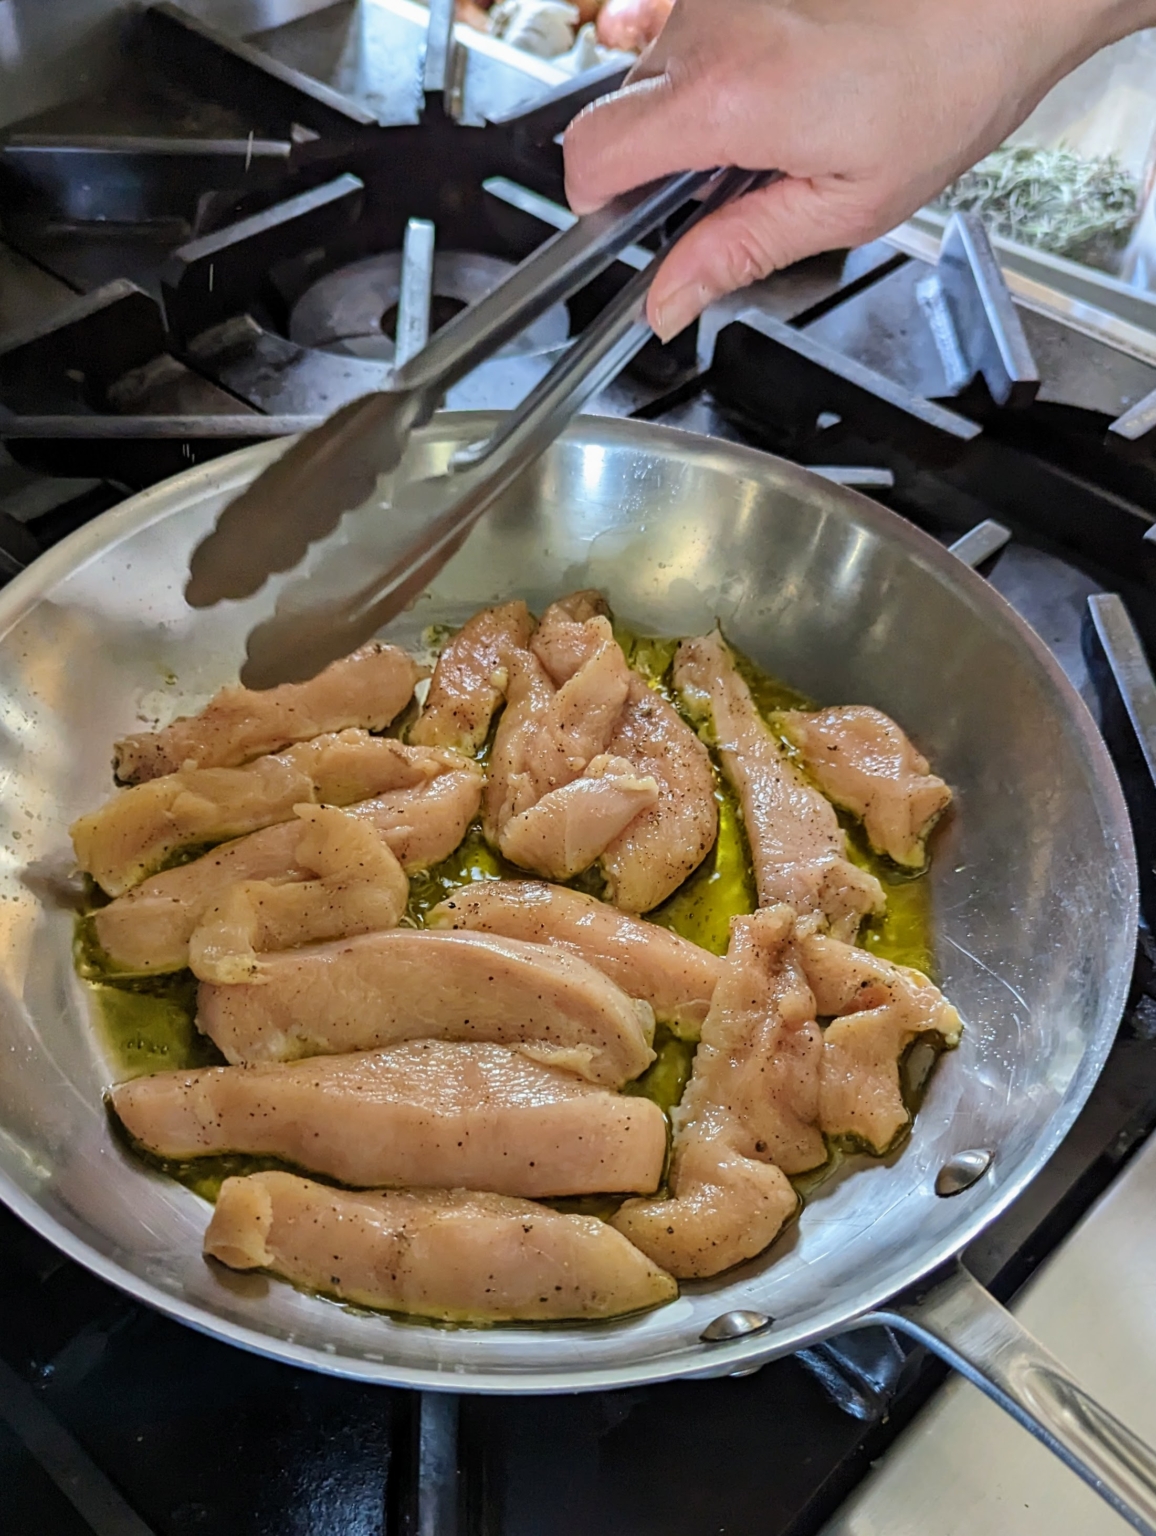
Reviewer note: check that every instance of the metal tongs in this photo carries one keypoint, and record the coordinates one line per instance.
(301, 497)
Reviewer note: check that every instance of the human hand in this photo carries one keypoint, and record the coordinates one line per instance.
(869, 108)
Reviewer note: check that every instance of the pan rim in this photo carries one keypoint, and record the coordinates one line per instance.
(73, 552)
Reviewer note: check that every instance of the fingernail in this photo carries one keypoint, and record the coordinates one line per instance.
(581, 203)
(675, 311)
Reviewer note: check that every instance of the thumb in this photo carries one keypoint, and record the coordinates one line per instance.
(748, 239)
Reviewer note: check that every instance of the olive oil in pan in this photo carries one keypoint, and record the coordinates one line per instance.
(148, 1026)
(205, 1175)
(147, 1023)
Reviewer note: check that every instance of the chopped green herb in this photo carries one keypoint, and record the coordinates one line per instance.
(1052, 200)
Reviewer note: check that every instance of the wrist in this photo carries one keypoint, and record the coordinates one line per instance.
(1096, 23)
(1058, 35)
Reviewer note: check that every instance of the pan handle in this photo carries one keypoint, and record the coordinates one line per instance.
(963, 1324)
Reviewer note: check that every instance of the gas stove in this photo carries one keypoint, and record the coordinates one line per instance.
(236, 229)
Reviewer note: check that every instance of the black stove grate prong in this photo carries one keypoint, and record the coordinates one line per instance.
(240, 76)
(222, 273)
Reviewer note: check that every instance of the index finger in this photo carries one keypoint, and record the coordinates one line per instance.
(648, 129)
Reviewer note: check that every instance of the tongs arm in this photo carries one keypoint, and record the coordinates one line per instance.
(433, 516)
(301, 497)
(553, 272)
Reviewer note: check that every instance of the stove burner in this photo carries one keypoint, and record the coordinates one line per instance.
(353, 310)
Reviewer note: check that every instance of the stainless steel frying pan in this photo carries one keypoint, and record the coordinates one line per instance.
(1034, 883)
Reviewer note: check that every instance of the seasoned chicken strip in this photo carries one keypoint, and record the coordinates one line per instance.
(656, 852)
(469, 681)
(447, 1254)
(549, 736)
(368, 689)
(441, 1115)
(749, 1115)
(666, 842)
(877, 1009)
(798, 848)
(148, 928)
(424, 826)
(359, 888)
(382, 988)
(725, 1209)
(138, 829)
(564, 640)
(677, 978)
(525, 763)
(567, 829)
(862, 760)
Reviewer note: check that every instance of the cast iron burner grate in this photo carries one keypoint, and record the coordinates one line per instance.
(200, 245)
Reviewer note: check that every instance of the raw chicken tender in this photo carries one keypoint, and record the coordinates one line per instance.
(877, 1009)
(547, 738)
(367, 689)
(756, 1071)
(428, 1113)
(725, 1209)
(138, 829)
(797, 846)
(469, 681)
(381, 988)
(568, 828)
(149, 927)
(862, 760)
(446, 1254)
(658, 849)
(525, 761)
(565, 640)
(547, 735)
(424, 826)
(668, 840)
(749, 1115)
(359, 888)
(677, 978)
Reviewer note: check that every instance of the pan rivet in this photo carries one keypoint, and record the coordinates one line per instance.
(734, 1325)
(963, 1170)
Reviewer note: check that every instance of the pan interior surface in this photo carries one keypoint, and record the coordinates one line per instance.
(1033, 874)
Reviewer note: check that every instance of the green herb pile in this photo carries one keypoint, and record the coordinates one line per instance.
(1052, 200)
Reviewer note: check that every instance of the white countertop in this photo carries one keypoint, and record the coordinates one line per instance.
(964, 1468)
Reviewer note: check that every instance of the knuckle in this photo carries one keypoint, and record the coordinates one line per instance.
(748, 256)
